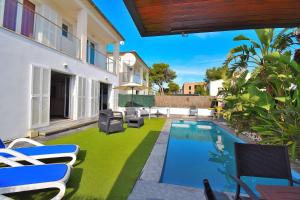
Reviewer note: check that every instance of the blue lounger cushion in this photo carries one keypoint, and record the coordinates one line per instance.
(44, 150)
(31, 174)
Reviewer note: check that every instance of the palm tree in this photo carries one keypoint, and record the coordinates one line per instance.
(253, 53)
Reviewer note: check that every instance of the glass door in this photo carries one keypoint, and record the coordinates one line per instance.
(27, 18)
(10, 14)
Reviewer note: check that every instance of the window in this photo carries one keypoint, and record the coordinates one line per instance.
(90, 52)
(190, 87)
(65, 29)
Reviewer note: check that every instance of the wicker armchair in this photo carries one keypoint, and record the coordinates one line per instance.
(130, 114)
(110, 121)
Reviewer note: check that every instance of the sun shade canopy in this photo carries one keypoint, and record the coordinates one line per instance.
(164, 17)
(131, 86)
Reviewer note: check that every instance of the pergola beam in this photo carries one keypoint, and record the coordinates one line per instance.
(164, 17)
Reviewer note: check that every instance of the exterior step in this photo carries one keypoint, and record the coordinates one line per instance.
(64, 125)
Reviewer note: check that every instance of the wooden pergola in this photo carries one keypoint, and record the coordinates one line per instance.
(165, 17)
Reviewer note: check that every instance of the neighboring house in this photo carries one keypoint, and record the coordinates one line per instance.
(54, 63)
(215, 87)
(138, 73)
(190, 88)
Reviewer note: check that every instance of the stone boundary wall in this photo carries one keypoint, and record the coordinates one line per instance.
(183, 101)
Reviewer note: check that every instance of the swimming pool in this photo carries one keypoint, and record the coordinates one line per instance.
(193, 155)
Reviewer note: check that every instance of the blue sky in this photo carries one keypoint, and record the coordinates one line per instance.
(188, 56)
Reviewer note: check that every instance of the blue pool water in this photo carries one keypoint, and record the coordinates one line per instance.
(192, 155)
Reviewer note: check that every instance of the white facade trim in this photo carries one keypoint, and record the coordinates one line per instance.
(97, 20)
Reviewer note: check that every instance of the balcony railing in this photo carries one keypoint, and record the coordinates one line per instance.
(125, 77)
(95, 57)
(25, 21)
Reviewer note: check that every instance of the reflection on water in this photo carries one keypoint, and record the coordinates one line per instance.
(195, 154)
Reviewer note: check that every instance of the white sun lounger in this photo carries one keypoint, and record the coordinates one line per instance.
(20, 178)
(40, 151)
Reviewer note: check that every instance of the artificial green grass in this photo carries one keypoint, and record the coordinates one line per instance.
(107, 165)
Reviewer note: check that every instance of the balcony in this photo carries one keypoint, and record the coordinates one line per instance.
(25, 21)
(99, 59)
(126, 77)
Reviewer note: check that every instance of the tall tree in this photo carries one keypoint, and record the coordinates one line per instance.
(173, 87)
(216, 73)
(201, 90)
(160, 74)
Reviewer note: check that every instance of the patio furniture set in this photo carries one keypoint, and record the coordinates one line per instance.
(112, 121)
(266, 161)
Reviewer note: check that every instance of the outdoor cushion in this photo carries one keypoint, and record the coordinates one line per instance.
(44, 150)
(31, 174)
(2, 145)
(114, 122)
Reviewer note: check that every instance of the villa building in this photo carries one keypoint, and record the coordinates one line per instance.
(190, 88)
(54, 63)
(215, 86)
(138, 73)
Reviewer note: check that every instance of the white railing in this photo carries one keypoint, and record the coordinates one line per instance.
(125, 77)
(25, 21)
(95, 57)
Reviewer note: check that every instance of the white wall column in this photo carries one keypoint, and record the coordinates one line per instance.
(117, 67)
(147, 82)
(82, 33)
(116, 55)
(142, 75)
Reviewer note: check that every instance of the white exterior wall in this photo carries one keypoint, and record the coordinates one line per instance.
(172, 111)
(18, 54)
(214, 87)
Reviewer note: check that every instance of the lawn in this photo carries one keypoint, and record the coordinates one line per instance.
(107, 165)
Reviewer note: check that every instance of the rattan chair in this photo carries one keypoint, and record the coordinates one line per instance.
(110, 121)
(268, 161)
(213, 195)
(209, 194)
(130, 113)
